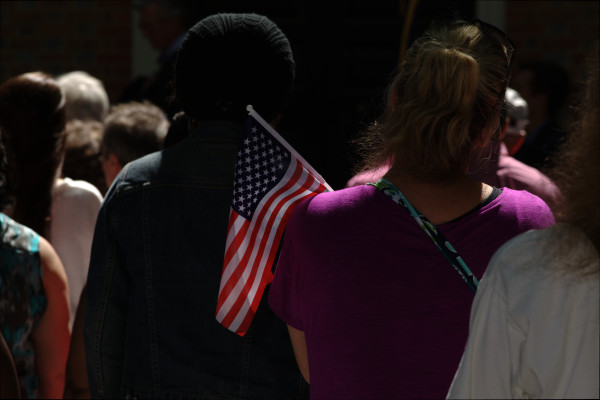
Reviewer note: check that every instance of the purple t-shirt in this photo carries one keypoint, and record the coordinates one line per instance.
(384, 314)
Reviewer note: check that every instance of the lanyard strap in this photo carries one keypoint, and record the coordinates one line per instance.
(441, 242)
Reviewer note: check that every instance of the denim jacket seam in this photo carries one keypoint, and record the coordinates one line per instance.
(130, 188)
(99, 327)
(148, 286)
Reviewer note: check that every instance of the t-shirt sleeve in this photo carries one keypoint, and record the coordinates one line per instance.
(537, 213)
(284, 294)
(532, 212)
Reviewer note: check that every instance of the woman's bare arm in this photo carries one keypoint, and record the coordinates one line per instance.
(52, 335)
(299, 345)
(77, 385)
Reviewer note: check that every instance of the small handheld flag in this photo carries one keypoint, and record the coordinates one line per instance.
(271, 178)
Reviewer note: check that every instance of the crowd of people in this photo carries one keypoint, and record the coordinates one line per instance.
(458, 262)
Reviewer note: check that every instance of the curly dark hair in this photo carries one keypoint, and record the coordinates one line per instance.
(578, 172)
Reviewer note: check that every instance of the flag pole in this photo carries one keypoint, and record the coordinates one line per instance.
(273, 132)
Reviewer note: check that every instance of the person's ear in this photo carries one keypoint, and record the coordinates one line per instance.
(111, 167)
(113, 162)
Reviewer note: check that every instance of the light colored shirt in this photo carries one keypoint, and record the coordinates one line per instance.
(75, 206)
(534, 325)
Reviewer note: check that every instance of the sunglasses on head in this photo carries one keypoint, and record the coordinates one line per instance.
(493, 32)
(501, 37)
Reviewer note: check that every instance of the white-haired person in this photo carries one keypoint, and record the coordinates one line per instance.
(86, 106)
(85, 96)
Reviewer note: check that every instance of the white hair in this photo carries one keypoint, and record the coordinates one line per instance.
(85, 95)
(518, 111)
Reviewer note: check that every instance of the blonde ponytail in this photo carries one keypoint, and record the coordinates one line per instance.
(443, 100)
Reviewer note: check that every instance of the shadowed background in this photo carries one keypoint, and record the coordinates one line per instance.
(345, 52)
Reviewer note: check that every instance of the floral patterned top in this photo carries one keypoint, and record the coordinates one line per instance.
(22, 297)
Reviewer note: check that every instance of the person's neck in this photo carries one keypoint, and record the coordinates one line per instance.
(441, 202)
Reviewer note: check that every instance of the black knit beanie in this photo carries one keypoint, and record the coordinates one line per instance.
(228, 61)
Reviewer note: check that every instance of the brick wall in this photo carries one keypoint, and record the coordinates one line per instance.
(61, 36)
(559, 31)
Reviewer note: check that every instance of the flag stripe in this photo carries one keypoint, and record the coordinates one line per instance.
(281, 211)
(236, 287)
(271, 178)
(232, 272)
(242, 252)
(271, 257)
(235, 234)
(237, 231)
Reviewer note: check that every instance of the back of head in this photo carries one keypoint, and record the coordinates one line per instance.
(85, 96)
(32, 116)
(32, 113)
(228, 61)
(132, 130)
(445, 99)
(82, 152)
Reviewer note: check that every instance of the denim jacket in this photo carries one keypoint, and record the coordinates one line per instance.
(150, 328)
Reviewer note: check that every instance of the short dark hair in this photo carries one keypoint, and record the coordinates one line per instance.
(132, 130)
(82, 153)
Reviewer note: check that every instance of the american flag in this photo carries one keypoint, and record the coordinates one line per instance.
(270, 179)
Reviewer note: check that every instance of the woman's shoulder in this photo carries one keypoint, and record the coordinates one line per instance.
(528, 210)
(18, 236)
(67, 187)
(338, 201)
(333, 209)
(521, 198)
(71, 195)
(74, 201)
